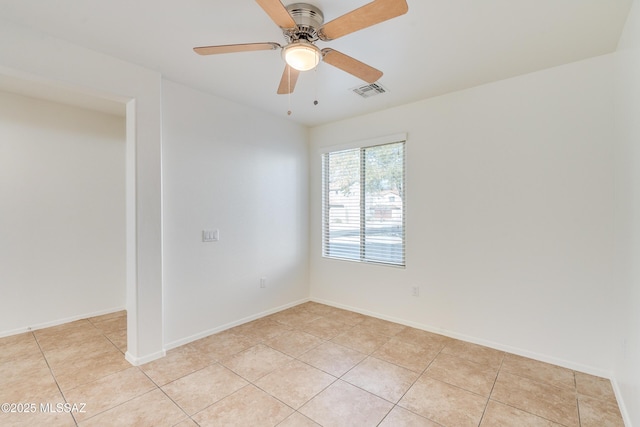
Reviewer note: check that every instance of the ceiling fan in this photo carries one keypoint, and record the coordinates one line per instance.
(302, 25)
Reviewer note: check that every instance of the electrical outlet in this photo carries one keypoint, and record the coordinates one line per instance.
(415, 291)
(263, 282)
(210, 235)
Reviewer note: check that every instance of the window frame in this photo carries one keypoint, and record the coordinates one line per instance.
(325, 205)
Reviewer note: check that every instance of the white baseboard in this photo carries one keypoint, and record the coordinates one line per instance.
(621, 403)
(137, 361)
(206, 333)
(475, 340)
(57, 322)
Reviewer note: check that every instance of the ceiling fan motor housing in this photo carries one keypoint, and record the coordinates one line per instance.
(308, 19)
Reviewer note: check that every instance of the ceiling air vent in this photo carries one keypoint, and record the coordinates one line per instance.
(367, 91)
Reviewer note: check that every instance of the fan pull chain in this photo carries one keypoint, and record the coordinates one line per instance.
(315, 81)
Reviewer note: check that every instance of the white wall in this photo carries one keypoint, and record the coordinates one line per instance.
(627, 205)
(36, 56)
(62, 213)
(509, 216)
(244, 172)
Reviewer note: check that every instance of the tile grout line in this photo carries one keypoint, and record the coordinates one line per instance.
(495, 380)
(423, 372)
(176, 403)
(529, 379)
(159, 387)
(296, 358)
(575, 385)
(98, 379)
(371, 355)
(52, 374)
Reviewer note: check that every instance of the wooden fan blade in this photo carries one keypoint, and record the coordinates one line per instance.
(278, 13)
(351, 65)
(288, 80)
(370, 14)
(231, 48)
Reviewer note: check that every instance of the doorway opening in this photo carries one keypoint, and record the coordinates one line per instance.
(53, 227)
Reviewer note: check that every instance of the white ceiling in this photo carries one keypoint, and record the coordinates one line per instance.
(439, 46)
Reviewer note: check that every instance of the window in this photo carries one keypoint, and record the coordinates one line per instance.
(363, 204)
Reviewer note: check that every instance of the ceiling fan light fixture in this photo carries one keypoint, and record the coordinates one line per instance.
(301, 55)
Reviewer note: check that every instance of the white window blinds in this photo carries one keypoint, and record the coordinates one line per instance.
(364, 203)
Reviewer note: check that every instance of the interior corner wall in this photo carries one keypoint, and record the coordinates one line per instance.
(627, 215)
(230, 168)
(509, 216)
(62, 220)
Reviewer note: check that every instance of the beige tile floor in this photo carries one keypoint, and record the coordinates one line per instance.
(309, 365)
